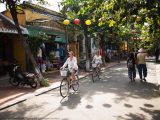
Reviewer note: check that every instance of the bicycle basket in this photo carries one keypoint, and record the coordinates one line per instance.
(94, 65)
(63, 73)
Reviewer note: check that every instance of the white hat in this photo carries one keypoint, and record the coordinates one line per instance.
(141, 50)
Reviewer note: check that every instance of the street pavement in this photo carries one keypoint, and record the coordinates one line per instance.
(114, 97)
(10, 95)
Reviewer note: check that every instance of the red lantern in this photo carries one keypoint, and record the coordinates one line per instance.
(76, 21)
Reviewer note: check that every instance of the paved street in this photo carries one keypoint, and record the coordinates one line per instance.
(112, 98)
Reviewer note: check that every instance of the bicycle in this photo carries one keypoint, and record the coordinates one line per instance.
(95, 72)
(67, 83)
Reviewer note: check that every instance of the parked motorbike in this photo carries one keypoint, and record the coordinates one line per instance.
(17, 77)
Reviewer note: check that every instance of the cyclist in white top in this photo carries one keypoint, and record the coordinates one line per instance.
(97, 59)
(72, 65)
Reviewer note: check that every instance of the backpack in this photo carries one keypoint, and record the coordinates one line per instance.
(130, 63)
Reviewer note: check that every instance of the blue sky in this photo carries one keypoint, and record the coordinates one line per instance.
(53, 5)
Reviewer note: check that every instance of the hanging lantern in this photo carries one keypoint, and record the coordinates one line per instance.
(66, 22)
(88, 22)
(76, 21)
(138, 18)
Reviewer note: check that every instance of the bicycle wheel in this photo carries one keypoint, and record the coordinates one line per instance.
(64, 87)
(94, 75)
(98, 72)
(13, 81)
(33, 83)
(75, 85)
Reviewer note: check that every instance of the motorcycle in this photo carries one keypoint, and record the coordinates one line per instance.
(17, 77)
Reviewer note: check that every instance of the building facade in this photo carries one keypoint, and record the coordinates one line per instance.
(10, 44)
(40, 21)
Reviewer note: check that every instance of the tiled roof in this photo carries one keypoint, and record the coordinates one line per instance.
(43, 10)
(8, 26)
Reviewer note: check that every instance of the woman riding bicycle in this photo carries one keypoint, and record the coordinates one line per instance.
(97, 59)
(72, 65)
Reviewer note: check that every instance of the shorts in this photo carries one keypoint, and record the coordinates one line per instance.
(73, 71)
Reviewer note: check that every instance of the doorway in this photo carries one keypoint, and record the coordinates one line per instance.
(6, 54)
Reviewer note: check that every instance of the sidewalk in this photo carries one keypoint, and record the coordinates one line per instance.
(10, 95)
(157, 70)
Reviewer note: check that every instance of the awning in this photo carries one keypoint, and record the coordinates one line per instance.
(35, 31)
(7, 26)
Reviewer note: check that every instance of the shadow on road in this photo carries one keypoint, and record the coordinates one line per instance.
(114, 84)
(71, 101)
(136, 116)
(116, 81)
(18, 113)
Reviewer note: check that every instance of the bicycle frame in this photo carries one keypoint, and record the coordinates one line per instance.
(95, 73)
(68, 84)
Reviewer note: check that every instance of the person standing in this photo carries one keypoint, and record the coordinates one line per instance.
(141, 64)
(131, 67)
(39, 59)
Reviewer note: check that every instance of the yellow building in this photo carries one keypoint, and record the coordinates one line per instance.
(10, 44)
(39, 20)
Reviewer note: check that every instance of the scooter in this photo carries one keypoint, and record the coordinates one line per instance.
(19, 78)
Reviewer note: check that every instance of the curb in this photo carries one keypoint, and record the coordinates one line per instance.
(79, 79)
(52, 87)
(158, 75)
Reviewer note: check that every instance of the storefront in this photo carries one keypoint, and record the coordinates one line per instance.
(10, 45)
(50, 53)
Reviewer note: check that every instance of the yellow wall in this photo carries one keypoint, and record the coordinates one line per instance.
(19, 53)
(126, 45)
(122, 46)
(30, 16)
(21, 17)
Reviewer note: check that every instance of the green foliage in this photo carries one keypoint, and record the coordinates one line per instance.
(35, 42)
(116, 17)
(99, 12)
(44, 37)
(125, 13)
(148, 11)
(44, 82)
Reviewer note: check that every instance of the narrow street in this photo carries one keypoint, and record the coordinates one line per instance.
(39, 38)
(112, 98)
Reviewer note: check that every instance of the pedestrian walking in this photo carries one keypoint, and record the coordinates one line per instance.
(141, 64)
(131, 67)
(135, 55)
(40, 59)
